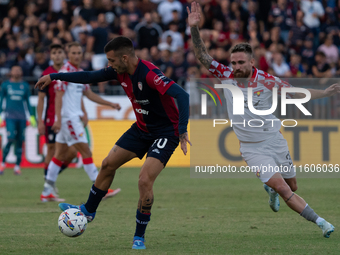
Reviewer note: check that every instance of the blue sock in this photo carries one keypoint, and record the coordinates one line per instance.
(142, 221)
(94, 199)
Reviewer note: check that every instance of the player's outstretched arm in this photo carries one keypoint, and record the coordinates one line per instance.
(318, 93)
(97, 99)
(104, 74)
(182, 97)
(194, 18)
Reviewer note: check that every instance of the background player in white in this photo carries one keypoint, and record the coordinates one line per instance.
(57, 55)
(263, 145)
(69, 126)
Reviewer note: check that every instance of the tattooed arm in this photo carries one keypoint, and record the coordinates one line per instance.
(194, 17)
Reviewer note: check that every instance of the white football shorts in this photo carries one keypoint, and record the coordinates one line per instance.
(71, 132)
(269, 157)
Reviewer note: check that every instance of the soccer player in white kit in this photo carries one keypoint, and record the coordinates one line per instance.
(265, 145)
(69, 127)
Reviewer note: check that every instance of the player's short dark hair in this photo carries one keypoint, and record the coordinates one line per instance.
(243, 47)
(56, 46)
(120, 44)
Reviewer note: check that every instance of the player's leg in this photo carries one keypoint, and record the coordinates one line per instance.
(126, 148)
(262, 164)
(147, 176)
(116, 158)
(49, 193)
(11, 134)
(20, 138)
(292, 183)
(90, 168)
(298, 204)
(50, 144)
(70, 154)
(158, 155)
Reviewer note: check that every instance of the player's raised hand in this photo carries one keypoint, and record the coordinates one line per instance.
(332, 90)
(43, 82)
(184, 139)
(194, 16)
(116, 106)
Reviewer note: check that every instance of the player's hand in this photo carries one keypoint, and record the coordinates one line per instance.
(115, 106)
(41, 127)
(332, 90)
(184, 139)
(194, 16)
(43, 82)
(85, 120)
(56, 126)
(33, 122)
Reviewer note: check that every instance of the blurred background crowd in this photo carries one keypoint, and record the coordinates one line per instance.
(289, 38)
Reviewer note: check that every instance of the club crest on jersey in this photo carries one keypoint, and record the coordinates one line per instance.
(81, 134)
(140, 85)
(258, 92)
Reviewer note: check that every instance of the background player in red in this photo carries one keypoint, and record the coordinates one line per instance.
(57, 55)
(159, 128)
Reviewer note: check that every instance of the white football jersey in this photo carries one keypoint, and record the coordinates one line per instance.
(262, 83)
(72, 97)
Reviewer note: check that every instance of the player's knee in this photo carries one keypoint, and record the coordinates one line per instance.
(107, 167)
(283, 190)
(144, 182)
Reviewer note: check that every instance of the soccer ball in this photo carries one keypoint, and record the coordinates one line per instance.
(72, 222)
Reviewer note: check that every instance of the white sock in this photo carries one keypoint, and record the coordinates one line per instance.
(16, 168)
(90, 169)
(318, 220)
(53, 169)
(48, 189)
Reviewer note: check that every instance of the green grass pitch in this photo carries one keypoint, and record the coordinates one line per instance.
(189, 216)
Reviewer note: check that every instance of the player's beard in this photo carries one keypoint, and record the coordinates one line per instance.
(240, 74)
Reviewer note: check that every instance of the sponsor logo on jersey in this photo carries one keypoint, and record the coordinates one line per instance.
(142, 111)
(140, 85)
(144, 102)
(124, 84)
(158, 79)
(258, 93)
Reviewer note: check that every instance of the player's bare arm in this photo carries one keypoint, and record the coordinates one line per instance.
(318, 93)
(40, 109)
(58, 104)
(97, 99)
(84, 118)
(194, 18)
(43, 82)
